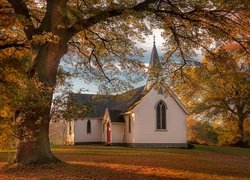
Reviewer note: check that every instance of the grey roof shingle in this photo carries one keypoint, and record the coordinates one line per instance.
(117, 104)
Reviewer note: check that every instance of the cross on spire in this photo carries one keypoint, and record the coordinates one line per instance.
(154, 39)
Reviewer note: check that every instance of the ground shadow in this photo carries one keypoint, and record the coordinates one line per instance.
(75, 171)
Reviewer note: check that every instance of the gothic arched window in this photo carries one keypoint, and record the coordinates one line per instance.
(161, 109)
(88, 126)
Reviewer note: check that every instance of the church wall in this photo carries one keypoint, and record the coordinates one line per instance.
(117, 129)
(81, 134)
(129, 135)
(145, 122)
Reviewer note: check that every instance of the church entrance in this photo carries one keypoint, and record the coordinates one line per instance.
(108, 133)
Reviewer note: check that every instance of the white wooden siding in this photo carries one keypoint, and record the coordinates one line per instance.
(145, 121)
(117, 132)
(81, 134)
(130, 136)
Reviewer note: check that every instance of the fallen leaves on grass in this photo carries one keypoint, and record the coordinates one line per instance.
(94, 170)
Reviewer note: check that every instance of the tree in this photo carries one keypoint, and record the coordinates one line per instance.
(219, 88)
(201, 132)
(227, 132)
(103, 32)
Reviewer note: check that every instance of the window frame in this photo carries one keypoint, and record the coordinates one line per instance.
(160, 112)
(88, 126)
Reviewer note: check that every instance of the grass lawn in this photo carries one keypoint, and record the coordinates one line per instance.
(110, 162)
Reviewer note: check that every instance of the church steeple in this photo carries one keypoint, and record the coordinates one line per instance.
(154, 61)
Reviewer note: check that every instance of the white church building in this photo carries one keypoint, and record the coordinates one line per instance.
(147, 116)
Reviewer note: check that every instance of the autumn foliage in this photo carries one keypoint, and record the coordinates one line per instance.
(217, 93)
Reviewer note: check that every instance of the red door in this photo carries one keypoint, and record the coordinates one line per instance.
(108, 134)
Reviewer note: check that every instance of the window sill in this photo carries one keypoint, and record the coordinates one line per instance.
(161, 130)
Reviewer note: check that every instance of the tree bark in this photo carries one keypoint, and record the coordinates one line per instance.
(33, 130)
(33, 143)
(240, 134)
(241, 118)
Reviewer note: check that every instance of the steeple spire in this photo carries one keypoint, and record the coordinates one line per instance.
(154, 56)
(154, 61)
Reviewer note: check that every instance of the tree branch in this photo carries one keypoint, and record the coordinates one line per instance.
(14, 44)
(108, 13)
(21, 8)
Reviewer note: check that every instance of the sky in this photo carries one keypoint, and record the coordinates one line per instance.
(147, 46)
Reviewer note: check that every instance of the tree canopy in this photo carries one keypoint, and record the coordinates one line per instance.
(219, 88)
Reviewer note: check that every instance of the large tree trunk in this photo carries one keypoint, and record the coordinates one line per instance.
(33, 141)
(33, 130)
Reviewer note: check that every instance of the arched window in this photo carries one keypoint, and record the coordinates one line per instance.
(161, 115)
(88, 126)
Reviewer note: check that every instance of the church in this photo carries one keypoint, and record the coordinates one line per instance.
(146, 116)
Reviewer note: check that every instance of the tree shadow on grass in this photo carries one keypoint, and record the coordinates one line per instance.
(217, 166)
(73, 170)
(94, 170)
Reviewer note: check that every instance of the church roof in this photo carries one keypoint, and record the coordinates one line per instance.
(116, 116)
(117, 104)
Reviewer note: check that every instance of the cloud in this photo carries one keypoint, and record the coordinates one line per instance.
(148, 44)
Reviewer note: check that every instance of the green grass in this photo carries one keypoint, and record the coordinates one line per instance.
(113, 150)
(225, 149)
(112, 162)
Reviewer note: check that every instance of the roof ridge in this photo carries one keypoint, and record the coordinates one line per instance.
(109, 94)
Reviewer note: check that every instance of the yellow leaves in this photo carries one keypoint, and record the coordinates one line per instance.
(5, 112)
(60, 26)
(7, 137)
(227, 132)
(45, 37)
(219, 86)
